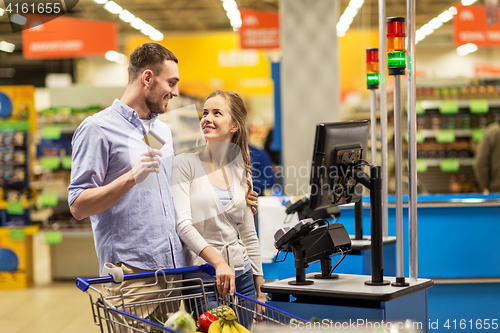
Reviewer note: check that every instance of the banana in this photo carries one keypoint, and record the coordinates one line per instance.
(226, 328)
(215, 327)
(233, 327)
(240, 328)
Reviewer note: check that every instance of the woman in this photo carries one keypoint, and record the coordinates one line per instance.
(211, 188)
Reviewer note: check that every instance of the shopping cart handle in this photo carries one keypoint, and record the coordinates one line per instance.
(84, 283)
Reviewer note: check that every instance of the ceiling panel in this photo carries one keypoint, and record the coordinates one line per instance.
(172, 16)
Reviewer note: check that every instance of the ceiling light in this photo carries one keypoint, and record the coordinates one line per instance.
(435, 23)
(233, 14)
(236, 23)
(111, 55)
(468, 2)
(445, 16)
(18, 19)
(101, 2)
(113, 7)
(453, 10)
(147, 30)
(137, 23)
(2, 11)
(7, 47)
(426, 29)
(126, 16)
(350, 12)
(156, 36)
(229, 5)
(340, 33)
(466, 49)
(122, 59)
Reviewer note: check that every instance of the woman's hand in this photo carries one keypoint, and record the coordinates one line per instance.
(223, 273)
(253, 197)
(261, 297)
(225, 279)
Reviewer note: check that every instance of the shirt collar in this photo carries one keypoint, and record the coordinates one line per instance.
(127, 112)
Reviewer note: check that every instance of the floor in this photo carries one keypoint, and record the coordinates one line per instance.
(59, 307)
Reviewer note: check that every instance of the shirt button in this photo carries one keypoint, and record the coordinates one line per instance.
(170, 234)
(129, 118)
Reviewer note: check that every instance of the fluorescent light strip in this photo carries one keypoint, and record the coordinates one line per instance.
(114, 56)
(465, 49)
(135, 22)
(232, 13)
(113, 7)
(435, 23)
(468, 2)
(7, 47)
(348, 16)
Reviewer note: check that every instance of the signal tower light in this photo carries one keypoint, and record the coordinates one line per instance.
(396, 51)
(372, 68)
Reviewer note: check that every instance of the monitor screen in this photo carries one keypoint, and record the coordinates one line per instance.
(339, 149)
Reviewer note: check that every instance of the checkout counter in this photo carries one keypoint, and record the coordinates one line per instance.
(458, 250)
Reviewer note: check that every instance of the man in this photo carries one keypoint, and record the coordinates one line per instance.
(123, 184)
(487, 159)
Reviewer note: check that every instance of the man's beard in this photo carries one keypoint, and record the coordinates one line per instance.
(154, 106)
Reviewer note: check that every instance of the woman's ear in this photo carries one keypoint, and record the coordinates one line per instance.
(235, 128)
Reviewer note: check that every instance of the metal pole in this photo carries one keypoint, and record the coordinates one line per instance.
(398, 161)
(383, 115)
(412, 142)
(377, 256)
(373, 117)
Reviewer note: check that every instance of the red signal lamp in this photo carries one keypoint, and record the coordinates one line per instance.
(372, 68)
(396, 56)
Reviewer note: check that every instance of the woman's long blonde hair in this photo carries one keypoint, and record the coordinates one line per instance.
(240, 138)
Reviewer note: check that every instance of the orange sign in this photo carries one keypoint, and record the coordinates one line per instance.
(259, 30)
(470, 27)
(68, 38)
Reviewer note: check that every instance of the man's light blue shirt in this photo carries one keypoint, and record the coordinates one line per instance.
(139, 229)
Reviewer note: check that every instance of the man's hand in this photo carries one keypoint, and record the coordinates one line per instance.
(148, 162)
(253, 197)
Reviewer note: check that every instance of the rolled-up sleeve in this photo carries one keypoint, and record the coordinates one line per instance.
(89, 159)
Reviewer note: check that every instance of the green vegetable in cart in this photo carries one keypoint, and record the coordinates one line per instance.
(205, 320)
(181, 321)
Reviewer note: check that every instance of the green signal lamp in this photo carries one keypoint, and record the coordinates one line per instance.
(396, 51)
(372, 68)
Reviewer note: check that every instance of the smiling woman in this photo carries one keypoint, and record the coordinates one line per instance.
(211, 199)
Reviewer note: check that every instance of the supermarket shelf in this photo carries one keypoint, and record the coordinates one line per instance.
(437, 162)
(65, 128)
(428, 104)
(459, 133)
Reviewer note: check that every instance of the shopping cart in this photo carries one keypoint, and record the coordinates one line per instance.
(131, 312)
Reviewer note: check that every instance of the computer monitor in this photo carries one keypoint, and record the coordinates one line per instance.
(339, 150)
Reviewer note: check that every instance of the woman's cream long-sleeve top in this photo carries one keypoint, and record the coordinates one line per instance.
(202, 220)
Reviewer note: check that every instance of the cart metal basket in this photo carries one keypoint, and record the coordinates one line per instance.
(131, 311)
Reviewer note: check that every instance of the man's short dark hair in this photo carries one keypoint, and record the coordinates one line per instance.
(149, 55)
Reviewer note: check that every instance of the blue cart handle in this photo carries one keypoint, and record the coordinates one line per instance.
(84, 283)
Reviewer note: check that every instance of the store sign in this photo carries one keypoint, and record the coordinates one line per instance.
(68, 38)
(470, 25)
(259, 30)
